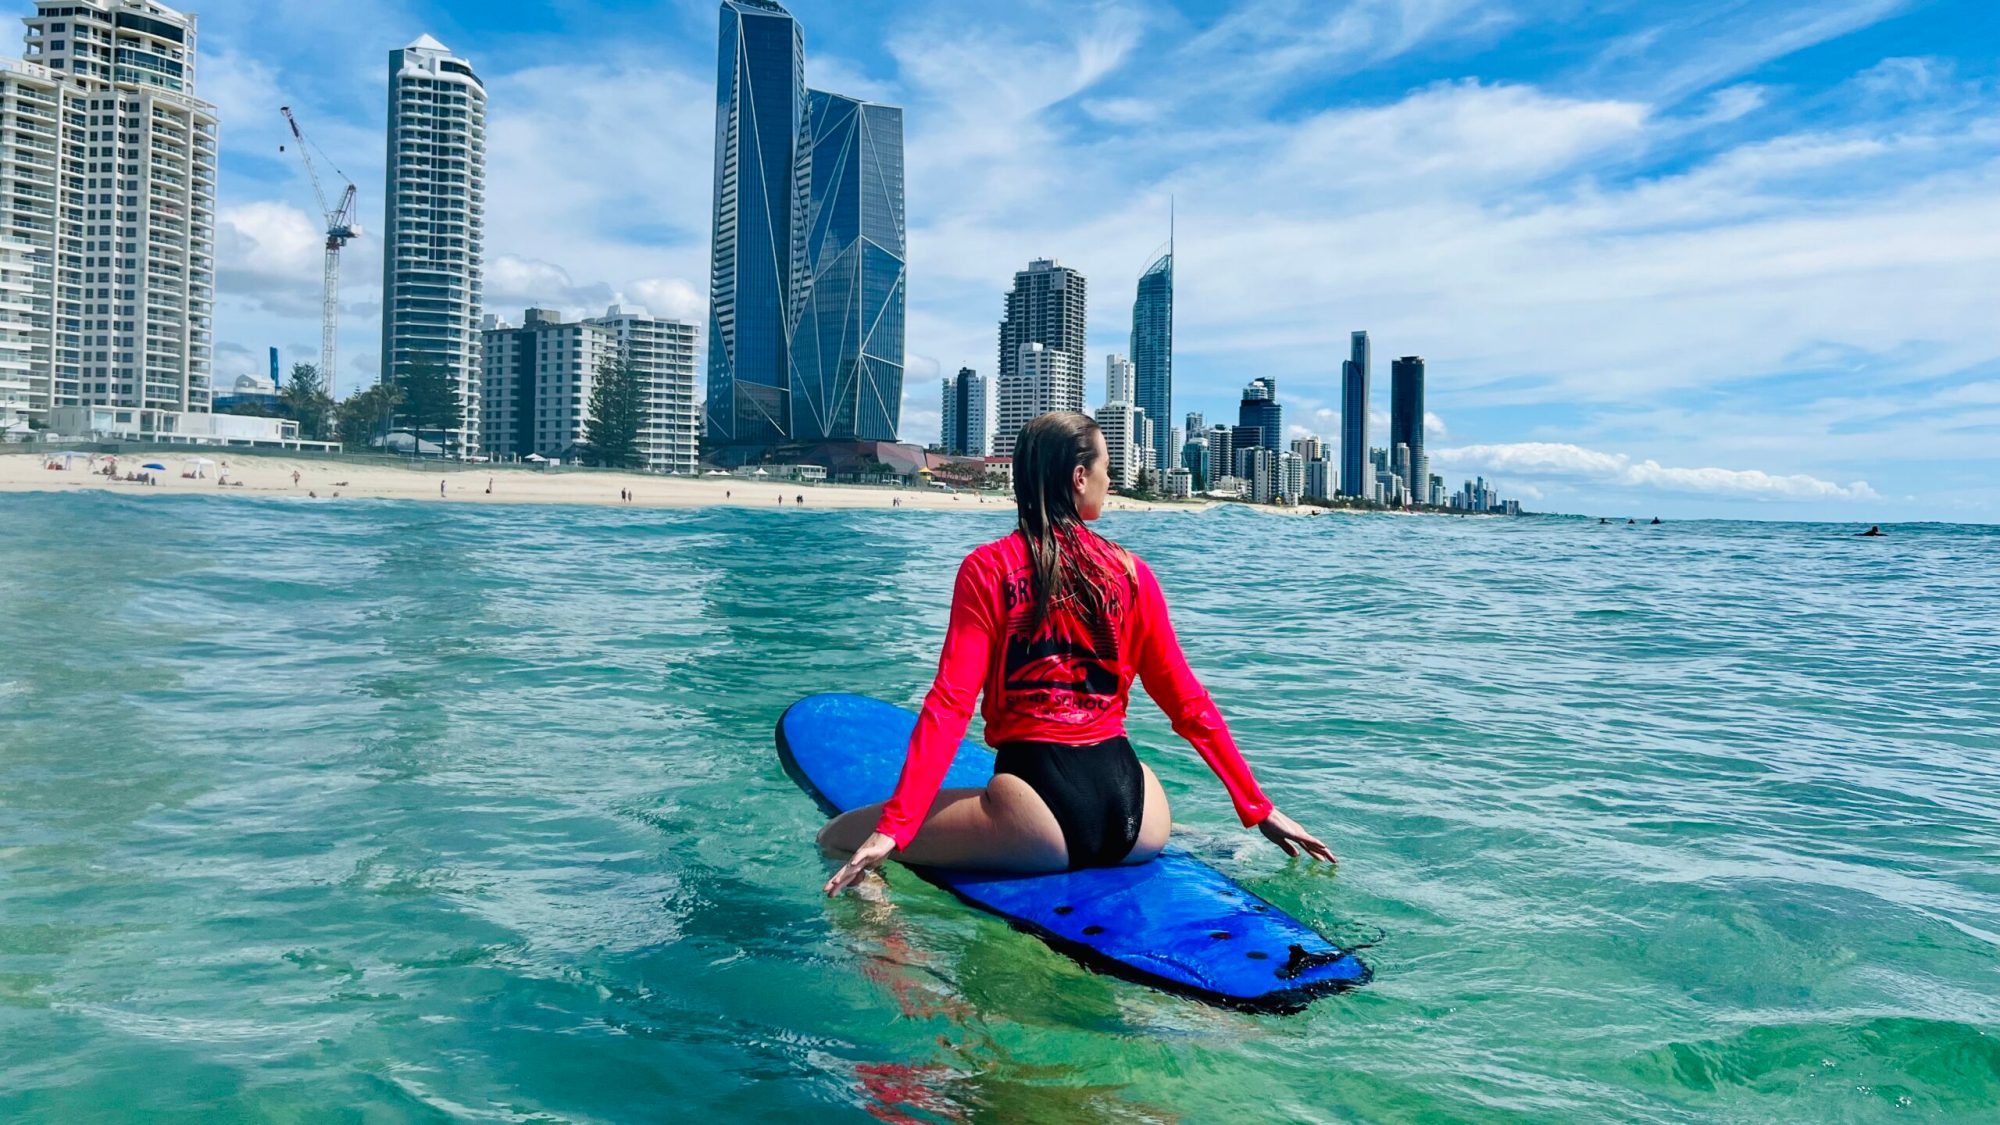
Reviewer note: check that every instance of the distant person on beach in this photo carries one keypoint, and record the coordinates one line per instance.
(295, 478)
(1873, 529)
(1050, 624)
(802, 499)
(489, 486)
(440, 490)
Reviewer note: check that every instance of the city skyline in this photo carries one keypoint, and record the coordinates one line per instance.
(1642, 405)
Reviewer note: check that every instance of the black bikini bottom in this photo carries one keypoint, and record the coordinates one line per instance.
(1096, 791)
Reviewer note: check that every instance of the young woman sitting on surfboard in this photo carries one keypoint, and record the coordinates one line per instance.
(1051, 624)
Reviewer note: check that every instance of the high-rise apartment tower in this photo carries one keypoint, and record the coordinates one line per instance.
(107, 178)
(433, 229)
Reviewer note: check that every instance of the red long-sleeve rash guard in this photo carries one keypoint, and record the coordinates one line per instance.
(1069, 684)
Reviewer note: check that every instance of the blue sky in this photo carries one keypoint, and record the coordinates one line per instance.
(1735, 258)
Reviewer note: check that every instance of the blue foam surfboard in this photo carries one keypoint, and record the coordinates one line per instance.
(1174, 923)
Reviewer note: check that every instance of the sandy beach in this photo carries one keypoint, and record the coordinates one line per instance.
(273, 475)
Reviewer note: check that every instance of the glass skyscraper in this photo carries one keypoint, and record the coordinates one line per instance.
(847, 355)
(762, 191)
(1406, 422)
(1153, 351)
(1354, 467)
(1260, 414)
(806, 286)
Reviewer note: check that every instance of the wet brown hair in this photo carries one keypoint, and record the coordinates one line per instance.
(1046, 455)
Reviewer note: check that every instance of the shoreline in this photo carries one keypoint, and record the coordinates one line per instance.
(267, 475)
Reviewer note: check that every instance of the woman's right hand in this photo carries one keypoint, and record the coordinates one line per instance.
(870, 855)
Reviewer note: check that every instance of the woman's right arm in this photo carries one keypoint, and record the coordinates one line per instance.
(962, 666)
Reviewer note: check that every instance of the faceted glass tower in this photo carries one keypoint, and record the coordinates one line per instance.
(762, 184)
(433, 207)
(1153, 350)
(847, 354)
(1354, 419)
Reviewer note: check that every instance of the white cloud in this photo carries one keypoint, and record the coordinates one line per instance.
(271, 255)
(1575, 463)
(1906, 77)
(672, 297)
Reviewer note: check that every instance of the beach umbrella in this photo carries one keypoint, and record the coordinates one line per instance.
(154, 465)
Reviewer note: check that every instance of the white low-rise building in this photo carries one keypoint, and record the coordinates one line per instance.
(178, 427)
(536, 380)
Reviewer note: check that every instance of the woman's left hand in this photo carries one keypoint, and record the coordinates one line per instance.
(1285, 832)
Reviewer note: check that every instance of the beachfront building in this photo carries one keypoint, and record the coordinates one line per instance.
(1178, 485)
(661, 350)
(1045, 308)
(24, 342)
(433, 228)
(1406, 424)
(537, 378)
(1259, 416)
(1195, 459)
(1316, 465)
(107, 174)
(846, 358)
(1153, 351)
(1221, 451)
(247, 392)
(1354, 464)
(1120, 422)
(1259, 467)
(1118, 379)
(965, 432)
(807, 279)
(1322, 480)
(1042, 379)
(763, 190)
(1291, 476)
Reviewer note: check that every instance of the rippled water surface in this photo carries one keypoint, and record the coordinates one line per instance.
(403, 811)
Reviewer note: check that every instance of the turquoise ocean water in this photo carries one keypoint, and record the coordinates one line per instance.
(402, 811)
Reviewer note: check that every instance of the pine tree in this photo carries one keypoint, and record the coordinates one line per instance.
(430, 400)
(305, 399)
(617, 412)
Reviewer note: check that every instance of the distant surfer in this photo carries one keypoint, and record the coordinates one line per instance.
(1656, 520)
(1873, 529)
(1050, 624)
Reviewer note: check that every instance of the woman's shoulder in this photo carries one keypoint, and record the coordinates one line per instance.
(1003, 553)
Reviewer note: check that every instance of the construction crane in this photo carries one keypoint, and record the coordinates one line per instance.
(340, 229)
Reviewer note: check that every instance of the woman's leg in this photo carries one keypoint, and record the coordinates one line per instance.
(1154, 823)
(1002, 827)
